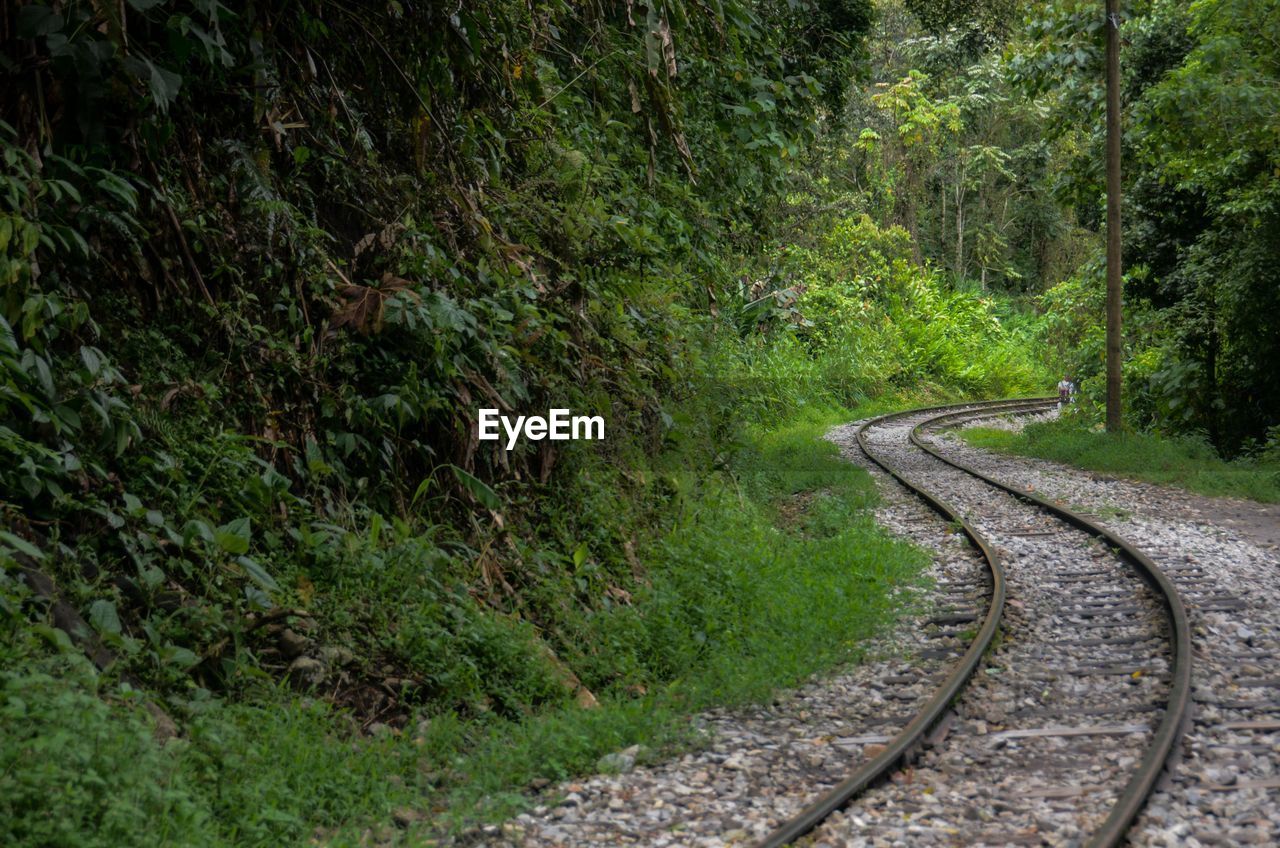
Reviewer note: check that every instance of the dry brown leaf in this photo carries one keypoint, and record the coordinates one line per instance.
(365, 306)
(668, 47)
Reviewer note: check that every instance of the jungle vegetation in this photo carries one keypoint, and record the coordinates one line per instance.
(262, 263)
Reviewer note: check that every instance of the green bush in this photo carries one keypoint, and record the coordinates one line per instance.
(76, 770)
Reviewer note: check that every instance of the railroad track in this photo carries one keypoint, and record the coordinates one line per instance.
(1058, 733)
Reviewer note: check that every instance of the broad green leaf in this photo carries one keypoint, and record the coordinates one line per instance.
(420, 491)
(196, 527)
(478, 488)
(258, 574)
(233, 537)
(20, 545)
(92, 360)
(181, 657)
(54, 636)
(164, 85)
(103, 616)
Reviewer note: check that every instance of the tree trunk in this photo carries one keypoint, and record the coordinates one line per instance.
(1115, 418)
(942, 228)
(1211, 369)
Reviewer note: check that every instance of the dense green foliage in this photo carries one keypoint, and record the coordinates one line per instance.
(261, 266)
(1201, 210)
(518, 227)
(1184, 461)
(951, 147)
(982, 135)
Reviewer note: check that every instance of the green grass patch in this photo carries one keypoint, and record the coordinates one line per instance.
(1185, 462)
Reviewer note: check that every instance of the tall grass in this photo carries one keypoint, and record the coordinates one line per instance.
(1183, 461)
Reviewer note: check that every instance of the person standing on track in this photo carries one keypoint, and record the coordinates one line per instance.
(1066, 390)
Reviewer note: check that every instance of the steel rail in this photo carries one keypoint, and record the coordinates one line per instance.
(907, 739)
(1168, 734)
(1142, 782)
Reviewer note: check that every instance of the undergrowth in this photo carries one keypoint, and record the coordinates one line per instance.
(260, 269)
(707, 559)
(745, 593)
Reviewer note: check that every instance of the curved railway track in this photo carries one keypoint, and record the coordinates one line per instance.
(1107, 587)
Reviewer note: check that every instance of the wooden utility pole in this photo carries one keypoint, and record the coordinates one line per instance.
(1115, 284)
